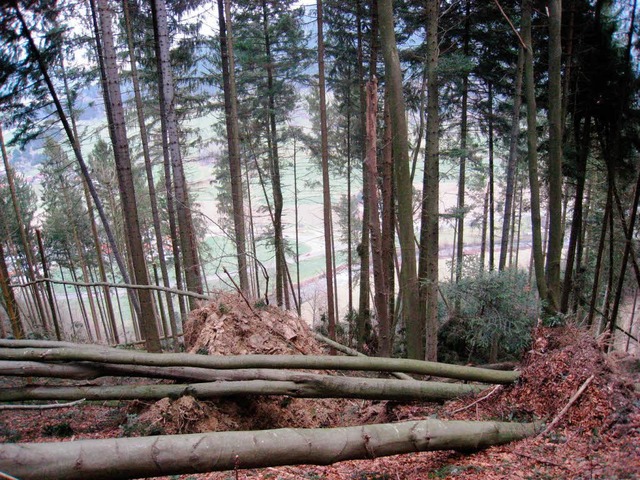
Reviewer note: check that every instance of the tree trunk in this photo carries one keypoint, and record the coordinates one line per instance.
(168, 116)
(313, 362)
(429, 244)
(364, 314)
(464, 154)
(511, 163)
(326, 188)
(9, 298)
(492, 209)
(274, 165)
(380, 298)
(144, 140)
(402, 177)
(388, 229)
(299, 386)
(24, 238)
(233, 139)
(554, 248)
(532, 153)
(125, 180)
(123, 458)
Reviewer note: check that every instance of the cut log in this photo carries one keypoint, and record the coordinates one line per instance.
(312, 362)
(124, 458)
(298, 385)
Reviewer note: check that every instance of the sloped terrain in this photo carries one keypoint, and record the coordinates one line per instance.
(597, 437)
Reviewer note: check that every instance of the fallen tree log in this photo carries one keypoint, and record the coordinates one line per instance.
(354, 353)
(312, 362)
(297, 385)
(124, 458)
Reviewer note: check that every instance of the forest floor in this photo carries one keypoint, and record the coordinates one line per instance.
(597, 437)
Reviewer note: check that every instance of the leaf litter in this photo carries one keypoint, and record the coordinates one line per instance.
(597, 438)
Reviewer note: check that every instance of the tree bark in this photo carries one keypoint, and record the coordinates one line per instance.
(298, 385)
(532, 152)
(313, 362)
(233, 139)
(188, 241)
(364, 314)
(412, 319)
(429, 234)
(554, 247)
(380, 298)
(144, 140)
(511, 163)
(125, 180)
(10, 303)
(326, 188)
(123, 458)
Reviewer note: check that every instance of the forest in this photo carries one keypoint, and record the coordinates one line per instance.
(214, 195)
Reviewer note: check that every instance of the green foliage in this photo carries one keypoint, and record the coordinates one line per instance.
(60, 430)
(496, 309)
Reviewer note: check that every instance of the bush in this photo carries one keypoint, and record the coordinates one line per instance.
(494, 314)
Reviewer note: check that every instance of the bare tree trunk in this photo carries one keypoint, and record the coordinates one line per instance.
(168, 117)
(125, 180)
(9, 298)
(144, 139)
(24, 238)
(388, 227)
(464, 154)
(429, 243)
(233, 138)
(123, 458)
(374, 222)
(492, 209)
(554, 248)
(52, 303)
(409, 291)
(532, 153)
(364, 314)
(326, 188)
(512, 162)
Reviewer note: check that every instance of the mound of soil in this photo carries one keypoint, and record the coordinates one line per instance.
(230, 326)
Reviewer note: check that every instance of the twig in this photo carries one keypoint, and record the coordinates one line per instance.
(511, 24)
(48, 406)
(239, 290)
(572, 400)
(493, 390)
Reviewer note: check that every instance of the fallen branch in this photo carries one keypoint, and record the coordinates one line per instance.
(572, 400)
(48, 406)
(124, 458)
(493, 390)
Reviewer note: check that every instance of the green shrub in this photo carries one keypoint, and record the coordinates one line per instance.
(493, 310)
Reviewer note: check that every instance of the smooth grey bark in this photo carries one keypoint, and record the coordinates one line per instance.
(313, 362)
(297, 385)
(123, 458)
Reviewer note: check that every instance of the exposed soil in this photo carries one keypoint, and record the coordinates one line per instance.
(598, 436)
